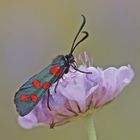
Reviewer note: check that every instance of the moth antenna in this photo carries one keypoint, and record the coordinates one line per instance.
(84, 37)
(80, 29)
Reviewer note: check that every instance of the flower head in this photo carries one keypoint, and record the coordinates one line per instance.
(78, 94)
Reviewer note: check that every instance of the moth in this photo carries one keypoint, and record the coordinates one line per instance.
(30, 93)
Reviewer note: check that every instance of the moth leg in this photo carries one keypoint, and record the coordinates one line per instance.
(60, 76)
(48, 99)
(56, 85)
(74, 67)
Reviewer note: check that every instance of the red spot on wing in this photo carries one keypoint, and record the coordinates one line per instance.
(59, 72)
(46, 85)
(56, 71)
(34, 98)
(24, 98)
(36, 84)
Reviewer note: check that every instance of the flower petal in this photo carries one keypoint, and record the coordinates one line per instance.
(29, 121)
(114, 80)
(124, 76)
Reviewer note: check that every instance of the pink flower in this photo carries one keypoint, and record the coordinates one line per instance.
(79, 94)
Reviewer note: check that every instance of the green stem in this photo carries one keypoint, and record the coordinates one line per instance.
(90, 127)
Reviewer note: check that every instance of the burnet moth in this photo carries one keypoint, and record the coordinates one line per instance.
(30, 93)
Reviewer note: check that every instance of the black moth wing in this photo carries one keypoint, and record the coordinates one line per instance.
(28, 90)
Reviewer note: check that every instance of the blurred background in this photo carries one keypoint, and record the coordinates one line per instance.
(33, 32)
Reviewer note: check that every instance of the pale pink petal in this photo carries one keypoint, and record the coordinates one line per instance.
(124, 77)
(114, 80)
(29, 121)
